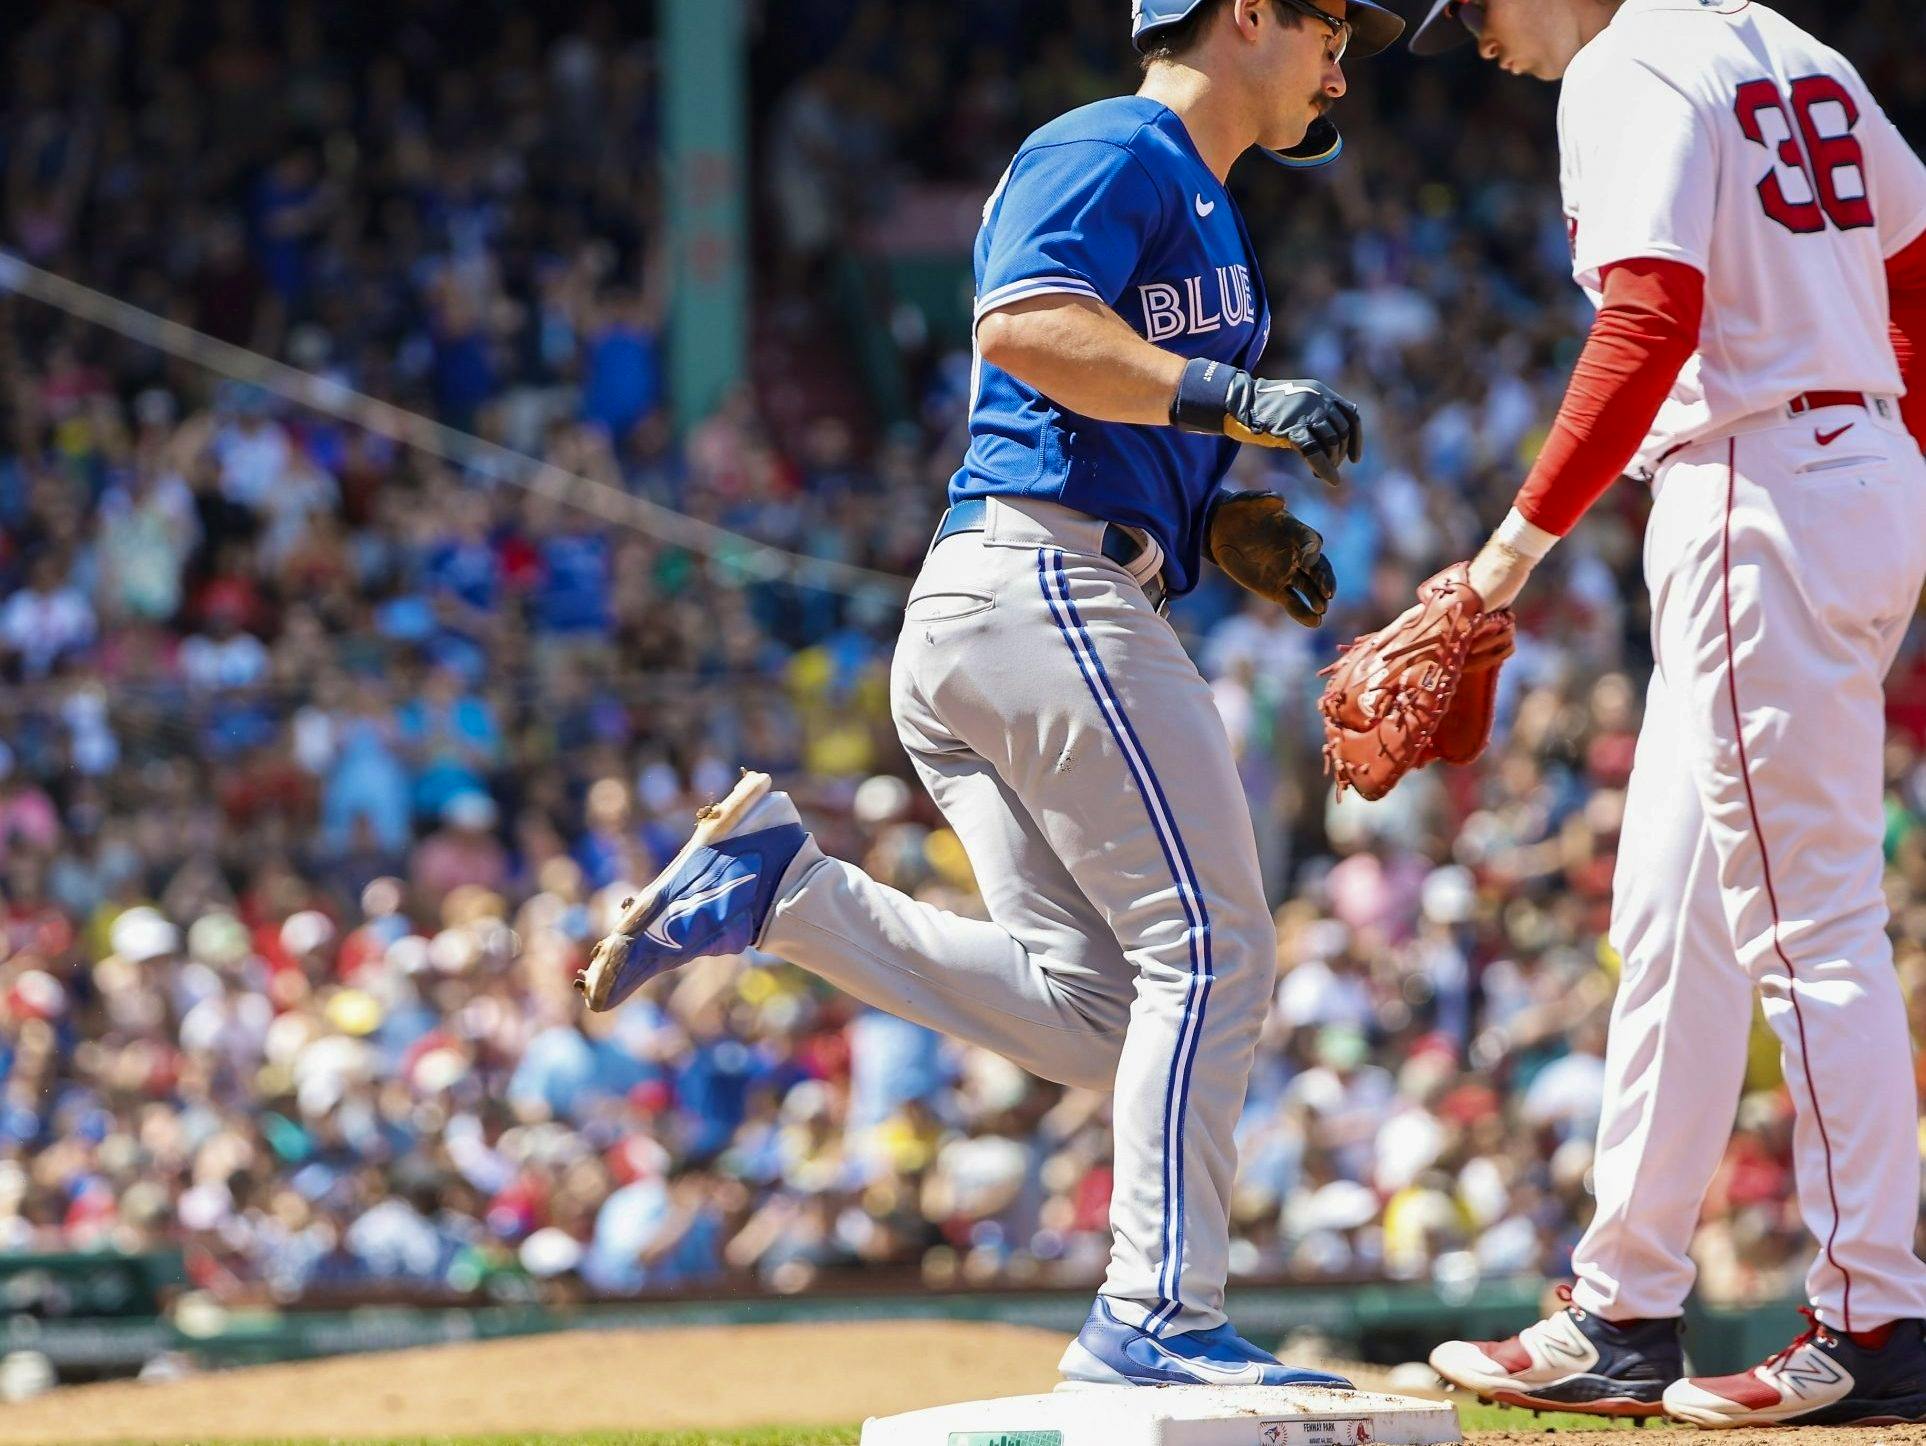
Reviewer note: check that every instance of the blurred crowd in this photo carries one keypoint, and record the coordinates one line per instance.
(322, 762)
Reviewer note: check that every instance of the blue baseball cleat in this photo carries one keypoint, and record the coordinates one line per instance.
(713, 898)
(1107, 1352)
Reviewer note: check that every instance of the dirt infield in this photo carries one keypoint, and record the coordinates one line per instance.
(1782, 1436)
(720, 1377)
(716, 1378)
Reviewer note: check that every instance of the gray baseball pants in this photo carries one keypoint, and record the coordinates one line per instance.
(1077, 752)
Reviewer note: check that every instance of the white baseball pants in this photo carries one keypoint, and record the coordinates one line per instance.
(1785, 563)
(1072, 744)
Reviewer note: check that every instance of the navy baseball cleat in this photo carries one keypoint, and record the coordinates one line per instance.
(1107, 1352)
(713, 898)
(1572, 1361)
(1824, 1378)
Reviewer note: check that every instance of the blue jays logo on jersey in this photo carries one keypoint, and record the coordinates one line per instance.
(1198, 304)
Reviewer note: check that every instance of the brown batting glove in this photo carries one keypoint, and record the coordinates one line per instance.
(1253, 537)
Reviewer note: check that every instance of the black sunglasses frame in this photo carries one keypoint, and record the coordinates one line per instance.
(1341, 29)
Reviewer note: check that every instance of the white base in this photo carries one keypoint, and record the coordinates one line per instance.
(1176, 1416)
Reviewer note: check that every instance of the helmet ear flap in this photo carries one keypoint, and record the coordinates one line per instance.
(1321, 145)
(1147, 16)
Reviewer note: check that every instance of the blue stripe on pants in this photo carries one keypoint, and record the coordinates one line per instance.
(1063, 610)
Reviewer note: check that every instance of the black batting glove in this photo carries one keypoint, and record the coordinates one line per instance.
(1305, 417)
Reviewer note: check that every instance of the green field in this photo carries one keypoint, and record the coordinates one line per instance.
(1473, 1417)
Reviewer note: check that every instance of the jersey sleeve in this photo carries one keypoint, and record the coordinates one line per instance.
(1070, 218)
(1896, 179)
(1647, 171)
(1906, 286)
(1647, 328)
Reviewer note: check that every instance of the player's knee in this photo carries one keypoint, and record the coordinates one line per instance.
(1245, 959)
(1084, 1061)
(1095, 1069)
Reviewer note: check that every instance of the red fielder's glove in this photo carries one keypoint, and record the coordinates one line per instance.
(1420, 689)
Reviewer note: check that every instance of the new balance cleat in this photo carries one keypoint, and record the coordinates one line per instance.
(1572, 1361)
(1107, 1352)
(713, 898)
(1824, 1378)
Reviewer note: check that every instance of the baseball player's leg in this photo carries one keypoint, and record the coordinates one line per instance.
(1807, 569)
(1138, 792)
(1673, 1067)
(1026, 650)
(1042, 983)
(1047, 662)
(1675, 1059)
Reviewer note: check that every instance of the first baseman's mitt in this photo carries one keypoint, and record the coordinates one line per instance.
(1420, 689)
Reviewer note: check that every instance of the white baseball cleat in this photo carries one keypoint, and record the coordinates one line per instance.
(1572, 1361)
(1824, 1378)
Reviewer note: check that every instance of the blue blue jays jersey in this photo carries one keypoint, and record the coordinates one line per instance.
(1112, 201)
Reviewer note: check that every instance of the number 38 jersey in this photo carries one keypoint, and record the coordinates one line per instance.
(1718, 134)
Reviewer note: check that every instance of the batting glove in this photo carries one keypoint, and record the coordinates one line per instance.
(1305, 417)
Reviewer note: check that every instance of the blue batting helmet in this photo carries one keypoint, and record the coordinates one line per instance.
(1372, 29)
(1443, 28)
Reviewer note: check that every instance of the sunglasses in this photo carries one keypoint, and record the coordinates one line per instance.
(1470, 14)
(1340, 29)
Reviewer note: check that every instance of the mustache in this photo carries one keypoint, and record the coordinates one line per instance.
(1322, 103)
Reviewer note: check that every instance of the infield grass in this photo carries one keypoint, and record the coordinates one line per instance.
(1474, 1419)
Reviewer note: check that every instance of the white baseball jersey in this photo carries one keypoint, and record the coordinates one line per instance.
(1719, 134)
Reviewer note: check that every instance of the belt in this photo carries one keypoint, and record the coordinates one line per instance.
(1812, 401)
(1119, 545)
(1797, 407)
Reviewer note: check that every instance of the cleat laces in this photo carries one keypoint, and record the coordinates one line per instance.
(1816, 1330)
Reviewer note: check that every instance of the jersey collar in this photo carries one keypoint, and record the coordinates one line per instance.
(1716, 7)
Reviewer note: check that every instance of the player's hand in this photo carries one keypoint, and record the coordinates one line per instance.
(1255, 539)
(1305, 417)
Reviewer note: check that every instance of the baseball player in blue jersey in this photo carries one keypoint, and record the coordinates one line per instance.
(1047, 704)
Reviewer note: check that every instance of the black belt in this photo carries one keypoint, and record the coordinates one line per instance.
(1120, 545)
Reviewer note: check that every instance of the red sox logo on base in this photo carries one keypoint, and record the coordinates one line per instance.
(1315, 1433)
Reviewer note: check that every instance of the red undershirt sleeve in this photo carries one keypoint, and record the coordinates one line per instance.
(1906, 280)
(1646, 330)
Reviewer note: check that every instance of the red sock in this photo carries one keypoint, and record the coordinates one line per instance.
(1873, 1340)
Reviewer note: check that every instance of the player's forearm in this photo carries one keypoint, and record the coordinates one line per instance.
(1647, 329)
(1084, 357)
